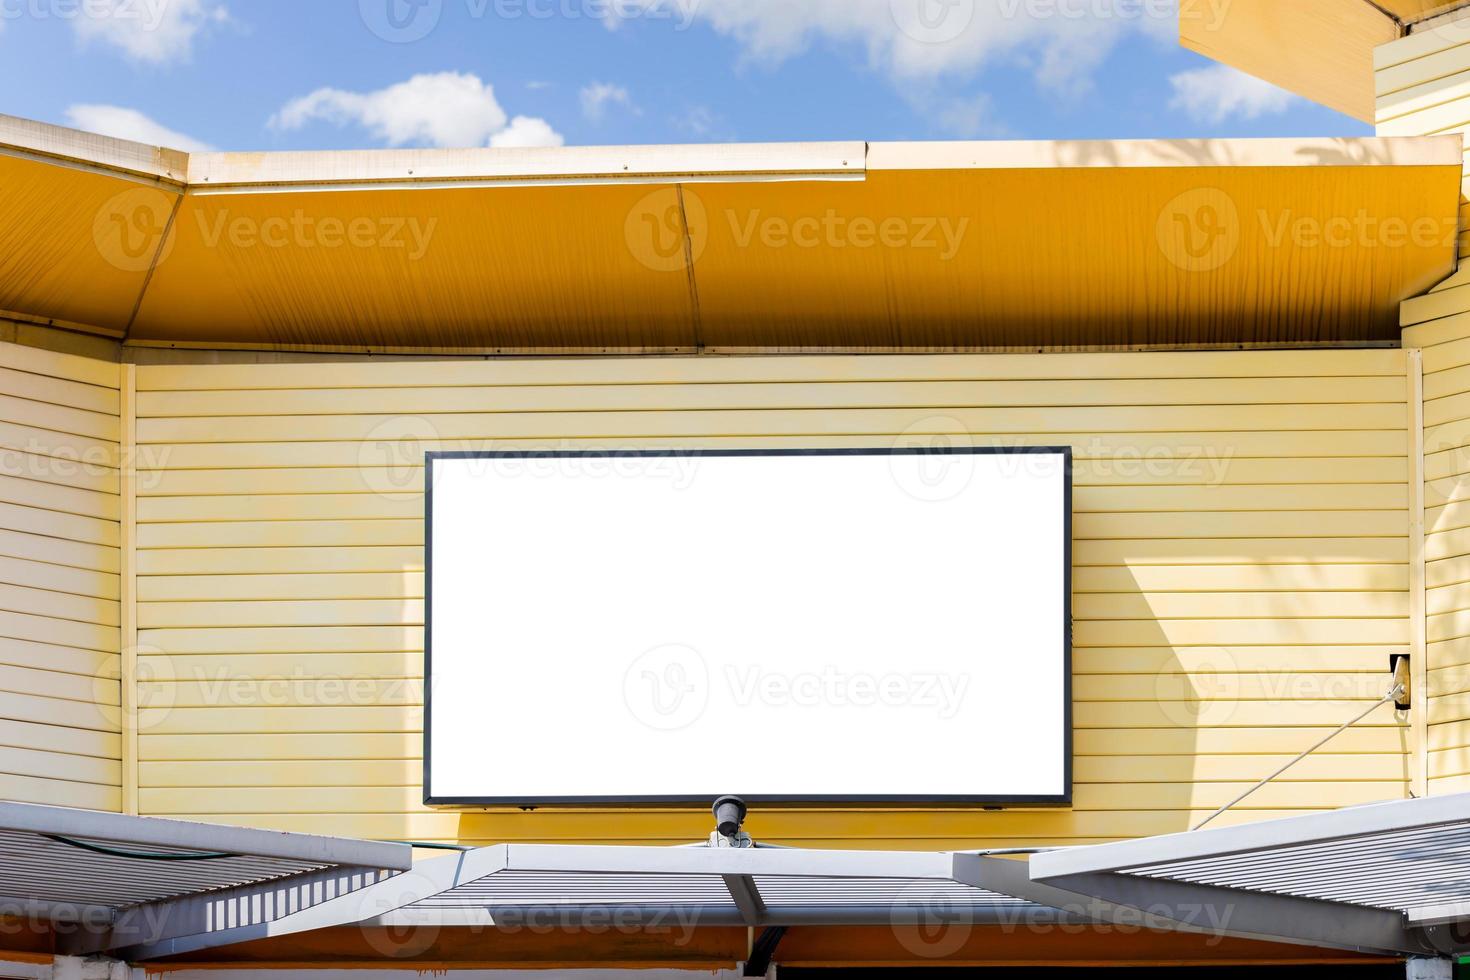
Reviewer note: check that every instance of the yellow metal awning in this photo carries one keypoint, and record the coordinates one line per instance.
(727, 248)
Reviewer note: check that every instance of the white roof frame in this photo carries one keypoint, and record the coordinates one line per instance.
(1389, 877)
(1331, 880)
(728, 886)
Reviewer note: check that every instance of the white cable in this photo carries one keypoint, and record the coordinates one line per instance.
(1390, 696)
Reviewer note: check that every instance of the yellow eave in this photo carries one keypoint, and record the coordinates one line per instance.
(820, 246)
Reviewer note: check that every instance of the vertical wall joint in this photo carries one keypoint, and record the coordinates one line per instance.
(1418, 647)
(128, 639)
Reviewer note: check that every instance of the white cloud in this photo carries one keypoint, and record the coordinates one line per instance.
(447, 109)
(1062, 41)
(130, 124)
(1215, 94)
(155, 31)
(599, 95)
(527, 131)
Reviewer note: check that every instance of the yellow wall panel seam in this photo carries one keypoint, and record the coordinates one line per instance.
(1418, 652)
(815, 369)
(128, 669)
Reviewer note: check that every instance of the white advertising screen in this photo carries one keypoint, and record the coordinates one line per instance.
(790, 627)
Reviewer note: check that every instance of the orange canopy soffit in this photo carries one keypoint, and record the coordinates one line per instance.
(827, 246)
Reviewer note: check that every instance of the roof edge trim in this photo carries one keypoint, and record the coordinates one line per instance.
(390, 168)
(1368, 151)
(25, 137)
(536, 164)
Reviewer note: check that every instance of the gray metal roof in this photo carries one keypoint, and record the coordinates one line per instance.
(1388, 874)
(1366, 879)
(1407, 855)
(705, 899)
(1392, 879)
(107, 873)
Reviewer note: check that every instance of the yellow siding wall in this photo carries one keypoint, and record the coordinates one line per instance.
(1241, 569)
(1440, 324)
(59, 561)
(1423, 87)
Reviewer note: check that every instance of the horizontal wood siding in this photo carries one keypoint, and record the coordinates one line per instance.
(1440, 324)
(1241, 570)
(59, 562)
(1422, 86)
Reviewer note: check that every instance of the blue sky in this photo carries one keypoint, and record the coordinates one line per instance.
(319, 74)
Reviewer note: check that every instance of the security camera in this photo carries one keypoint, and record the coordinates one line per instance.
(729, 814)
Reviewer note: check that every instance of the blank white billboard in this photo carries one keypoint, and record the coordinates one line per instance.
(823, 626)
